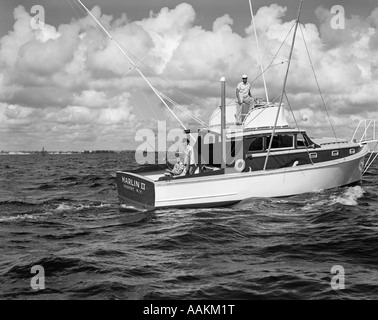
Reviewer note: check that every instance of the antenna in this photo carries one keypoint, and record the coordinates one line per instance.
(258, 53)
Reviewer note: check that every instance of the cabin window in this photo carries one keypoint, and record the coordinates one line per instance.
(302, 141)
(281, 141)
(352, 151)
(335, 153)
(256, 144)
(313, 155)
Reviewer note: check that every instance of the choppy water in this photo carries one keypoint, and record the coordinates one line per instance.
(62, 212)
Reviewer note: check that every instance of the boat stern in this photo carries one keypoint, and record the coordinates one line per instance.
(136, 190)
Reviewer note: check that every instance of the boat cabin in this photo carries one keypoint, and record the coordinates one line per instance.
(247, 146)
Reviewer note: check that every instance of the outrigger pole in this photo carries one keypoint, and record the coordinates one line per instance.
(258, 53)
(284, 86)
(132, 63)
(223, 122)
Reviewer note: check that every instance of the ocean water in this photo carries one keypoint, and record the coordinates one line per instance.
(61, 212)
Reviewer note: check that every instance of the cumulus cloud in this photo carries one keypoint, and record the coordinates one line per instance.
(71, 85)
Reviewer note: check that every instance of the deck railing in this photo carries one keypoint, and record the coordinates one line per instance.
(368, 129)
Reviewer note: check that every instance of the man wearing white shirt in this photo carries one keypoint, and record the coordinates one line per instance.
(189, 160)
(244, 96)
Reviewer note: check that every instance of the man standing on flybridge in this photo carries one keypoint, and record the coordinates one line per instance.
(243, 95)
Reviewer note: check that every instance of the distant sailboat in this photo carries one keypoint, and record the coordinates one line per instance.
(43, 152)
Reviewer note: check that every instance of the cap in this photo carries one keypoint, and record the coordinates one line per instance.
(244, 76)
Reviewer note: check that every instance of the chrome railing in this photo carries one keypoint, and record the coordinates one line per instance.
(368, 131)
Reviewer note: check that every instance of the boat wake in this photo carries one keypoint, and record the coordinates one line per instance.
(306, 202)
(350, 196)
(24, 217)
(80, 207)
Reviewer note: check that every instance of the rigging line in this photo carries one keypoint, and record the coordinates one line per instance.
(144, 140)
(131, 61)
(258, 52)
(371, 162)
(172, 85)
(98, 28)
(228, 103)
(132, 68)
(78, 16)
(183, 109)
(272, 65)
(73, 8)
(262, 110)
(317, 83)
(148, 101)
(284, 86)
(83, 11)
(299, 62)
(276, 97)
(279, 49)
(267, 46)
(135, 57)
(174, 103)
(187, 112)
(147, 67)
(297, 125)
(147, 141)
(213, 114)
(140, 61)
(269, 40)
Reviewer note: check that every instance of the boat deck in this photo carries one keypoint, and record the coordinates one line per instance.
(159, 175)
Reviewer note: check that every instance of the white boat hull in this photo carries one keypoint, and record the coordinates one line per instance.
(229, 188)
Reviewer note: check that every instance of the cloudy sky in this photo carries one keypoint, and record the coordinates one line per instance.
(68, 87)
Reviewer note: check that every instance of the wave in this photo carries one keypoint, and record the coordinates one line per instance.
(23, 217)
(350, 196)
(79, 206)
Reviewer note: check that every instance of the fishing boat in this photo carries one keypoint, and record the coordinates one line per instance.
(289, 164)
(264, 156)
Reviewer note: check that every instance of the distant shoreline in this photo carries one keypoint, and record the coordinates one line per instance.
(62, 152)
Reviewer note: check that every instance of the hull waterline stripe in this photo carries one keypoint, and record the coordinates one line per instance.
(201, 197)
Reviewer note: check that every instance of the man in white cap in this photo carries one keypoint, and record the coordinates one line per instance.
(243, 95)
